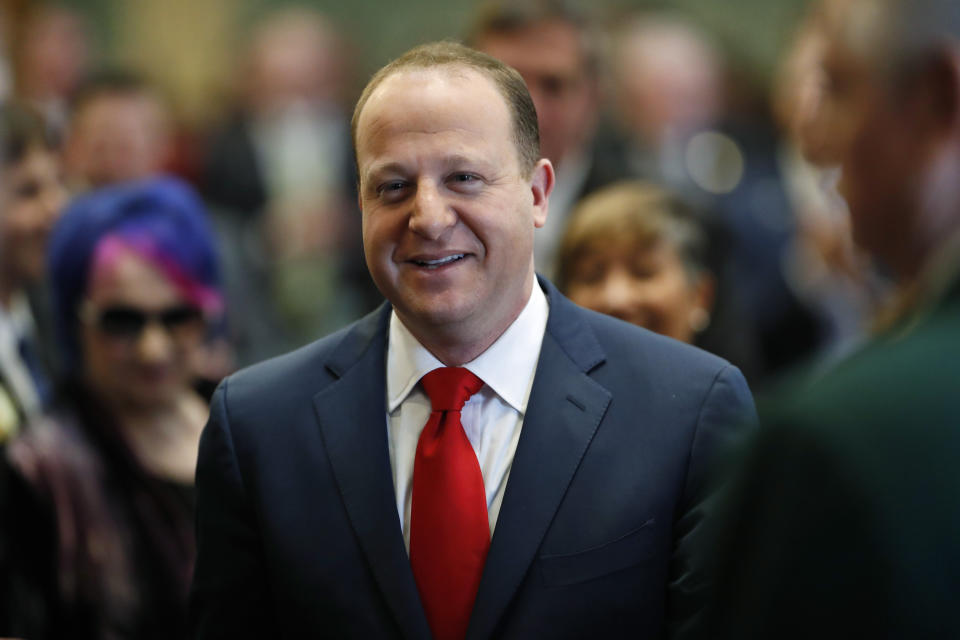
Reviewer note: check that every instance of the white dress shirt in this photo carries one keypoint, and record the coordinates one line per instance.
(492, 418)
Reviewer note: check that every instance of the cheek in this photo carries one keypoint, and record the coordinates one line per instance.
(669, 294)
(17, 222)
(372, 234)
(102, 362)
(583, 294)
(379, 228)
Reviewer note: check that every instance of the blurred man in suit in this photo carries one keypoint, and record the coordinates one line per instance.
(558, 480)
(556, 49)
(844, 517)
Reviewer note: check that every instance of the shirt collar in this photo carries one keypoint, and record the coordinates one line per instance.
(507, 366)
(16, 320)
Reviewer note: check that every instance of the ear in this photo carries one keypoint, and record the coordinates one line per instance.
(541, 185)
(705, 291)
(702, 295)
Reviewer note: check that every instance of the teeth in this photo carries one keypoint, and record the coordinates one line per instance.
(441, 261)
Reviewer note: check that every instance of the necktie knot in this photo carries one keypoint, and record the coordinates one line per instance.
(449, 388)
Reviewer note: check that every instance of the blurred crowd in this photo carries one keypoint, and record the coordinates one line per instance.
(142, 260)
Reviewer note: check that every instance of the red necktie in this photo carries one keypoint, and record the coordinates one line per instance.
(449, 530)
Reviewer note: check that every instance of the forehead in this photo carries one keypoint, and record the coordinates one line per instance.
(451, 103)
(104, 109)
(120, 275)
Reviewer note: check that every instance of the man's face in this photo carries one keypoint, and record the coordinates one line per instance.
(876, 135)
(550, 58)
(117, 137)
(448, 216)
(32, 195)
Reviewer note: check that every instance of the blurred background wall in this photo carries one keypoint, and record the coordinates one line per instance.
(187, 46)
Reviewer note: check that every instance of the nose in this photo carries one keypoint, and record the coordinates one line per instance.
(619, 296)
(54, 199)
(155, 344)
(431, 216)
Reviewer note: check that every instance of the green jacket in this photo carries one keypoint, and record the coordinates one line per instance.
(842, 517)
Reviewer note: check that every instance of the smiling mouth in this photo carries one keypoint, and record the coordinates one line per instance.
(440, 262)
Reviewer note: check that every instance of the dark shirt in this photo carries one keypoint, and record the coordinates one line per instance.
(91, 545)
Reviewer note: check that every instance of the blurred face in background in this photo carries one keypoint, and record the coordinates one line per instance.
(550, 56)
(137, 332)
(296, 58)
(669, 81)
(32, 195)
(799, 92)
(883, 137)
(645, 284)
(116, 137)
(54, 54)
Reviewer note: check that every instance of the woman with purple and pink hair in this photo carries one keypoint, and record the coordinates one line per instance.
(100, 499)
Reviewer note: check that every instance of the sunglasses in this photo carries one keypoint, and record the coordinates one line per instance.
(128, 323)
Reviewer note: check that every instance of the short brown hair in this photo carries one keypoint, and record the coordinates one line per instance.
(507, 80)
(507, 17)
(639, 213)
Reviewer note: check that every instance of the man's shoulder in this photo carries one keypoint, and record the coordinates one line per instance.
(881, 393)
(629, 345)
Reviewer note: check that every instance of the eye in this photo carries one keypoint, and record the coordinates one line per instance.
(589, 270)
(392, 190)
(27, 190)
(464, 181)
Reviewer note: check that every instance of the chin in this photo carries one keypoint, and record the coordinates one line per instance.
(438, 311)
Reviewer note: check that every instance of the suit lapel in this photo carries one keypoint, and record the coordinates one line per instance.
(352, 421)
(564, 411)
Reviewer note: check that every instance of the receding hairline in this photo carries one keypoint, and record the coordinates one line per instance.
(462, 68)
(450, 69)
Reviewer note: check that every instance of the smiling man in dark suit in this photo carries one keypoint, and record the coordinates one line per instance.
(480, 457)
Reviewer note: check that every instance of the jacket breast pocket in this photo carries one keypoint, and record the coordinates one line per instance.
(624, 552)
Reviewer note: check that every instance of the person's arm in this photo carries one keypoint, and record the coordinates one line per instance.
(727, 411)
(230, 597)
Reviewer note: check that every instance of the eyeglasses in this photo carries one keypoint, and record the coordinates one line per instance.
(127, 323)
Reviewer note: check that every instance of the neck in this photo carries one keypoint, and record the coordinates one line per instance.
(452, 347)
(164, 438)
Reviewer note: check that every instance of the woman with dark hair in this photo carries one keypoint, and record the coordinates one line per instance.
(31, 197)
(97, 528)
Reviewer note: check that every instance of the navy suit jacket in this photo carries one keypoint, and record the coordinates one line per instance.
(298, 530)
